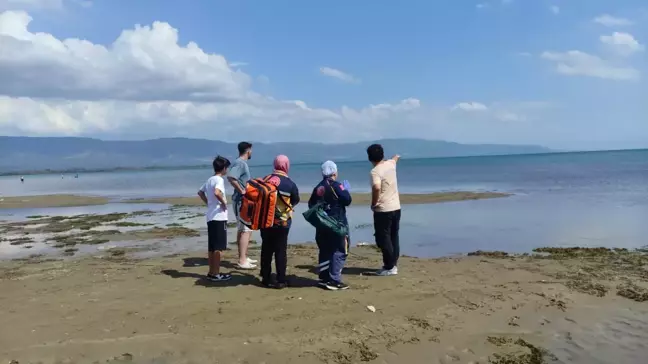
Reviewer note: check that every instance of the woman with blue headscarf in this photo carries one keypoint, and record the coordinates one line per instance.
(333, 248)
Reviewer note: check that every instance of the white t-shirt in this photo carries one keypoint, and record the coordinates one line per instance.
(215, 210)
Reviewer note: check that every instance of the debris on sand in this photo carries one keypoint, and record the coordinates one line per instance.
(371, 308)
(491, 254)
(632, 291)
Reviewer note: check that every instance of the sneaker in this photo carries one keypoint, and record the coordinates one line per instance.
(251, 261)
(335, 286)
(388, 272)
(246, 266)
(321, 283)
(219, 277)
(281, 285)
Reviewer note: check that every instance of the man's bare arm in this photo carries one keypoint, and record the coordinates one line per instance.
(202, 196)
(237, 186)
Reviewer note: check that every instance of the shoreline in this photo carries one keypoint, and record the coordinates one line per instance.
(70, 200)
(488, 308)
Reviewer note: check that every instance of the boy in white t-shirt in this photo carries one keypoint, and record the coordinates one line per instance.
(213, 194)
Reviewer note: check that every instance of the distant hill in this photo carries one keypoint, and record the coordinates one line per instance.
(21, 154)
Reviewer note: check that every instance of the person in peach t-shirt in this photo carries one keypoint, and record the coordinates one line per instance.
(385, 204)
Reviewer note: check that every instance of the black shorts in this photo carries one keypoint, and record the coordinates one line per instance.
(216, 235)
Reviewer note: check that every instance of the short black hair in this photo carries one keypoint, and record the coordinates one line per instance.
(244, 147)
(220, 163)
(375, 153)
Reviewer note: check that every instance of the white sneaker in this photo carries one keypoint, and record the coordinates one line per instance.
(247, 265)
(388, 272)
(251, 261)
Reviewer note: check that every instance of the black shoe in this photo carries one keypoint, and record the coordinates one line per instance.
(335, 286)
(219, 277)
(280, 285)
(321, 283)
(268, 283)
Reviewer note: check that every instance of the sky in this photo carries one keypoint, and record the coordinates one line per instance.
(567, 74)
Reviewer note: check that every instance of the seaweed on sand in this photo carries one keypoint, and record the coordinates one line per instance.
(20, 240)
(131, 224)
(632, 291)
(585, 265)
(168, 233)
(531, 354)
(491, 254)
(585, 285)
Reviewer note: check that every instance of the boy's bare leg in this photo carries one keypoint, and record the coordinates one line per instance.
(243, 239)
(214, 262)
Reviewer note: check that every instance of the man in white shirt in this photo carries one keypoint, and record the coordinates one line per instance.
(212, 193)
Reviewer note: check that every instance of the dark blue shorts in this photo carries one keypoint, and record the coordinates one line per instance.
(216, 236)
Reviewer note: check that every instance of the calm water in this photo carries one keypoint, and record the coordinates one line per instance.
(588, 199)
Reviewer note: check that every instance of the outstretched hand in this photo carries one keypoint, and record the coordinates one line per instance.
(346, 185)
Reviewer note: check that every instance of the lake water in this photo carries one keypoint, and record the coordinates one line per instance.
(574, 199)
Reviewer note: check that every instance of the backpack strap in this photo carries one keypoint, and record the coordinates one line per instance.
(332, 189)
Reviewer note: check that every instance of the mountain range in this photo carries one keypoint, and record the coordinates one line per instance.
(24, 154)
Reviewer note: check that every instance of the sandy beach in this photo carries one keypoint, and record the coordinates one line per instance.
(106, 290)
(580, 306)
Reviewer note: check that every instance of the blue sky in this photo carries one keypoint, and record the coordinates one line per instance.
(479, 71)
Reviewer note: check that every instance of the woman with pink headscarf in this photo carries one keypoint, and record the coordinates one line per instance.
(275, 239)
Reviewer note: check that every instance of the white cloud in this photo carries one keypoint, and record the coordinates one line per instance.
(482, 6)
(146, 84)
(142, 64)
(555, 9)
(611, 21)
(470, 106)
(340, 75)
(577, 63)
(623, 43)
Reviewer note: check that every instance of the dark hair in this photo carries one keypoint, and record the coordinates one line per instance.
(375, 153)
(220, 163)
(244, 147)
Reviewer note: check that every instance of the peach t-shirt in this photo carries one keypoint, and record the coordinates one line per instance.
(384, 175)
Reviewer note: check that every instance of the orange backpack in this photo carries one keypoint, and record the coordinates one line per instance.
(259, 204)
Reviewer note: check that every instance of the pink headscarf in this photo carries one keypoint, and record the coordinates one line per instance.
(281, 163)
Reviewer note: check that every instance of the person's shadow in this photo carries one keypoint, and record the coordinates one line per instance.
(346, 271)
(239, 278)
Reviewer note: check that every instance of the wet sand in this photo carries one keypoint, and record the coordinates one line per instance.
(569, 305)
(50, 201)
(358, 198)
